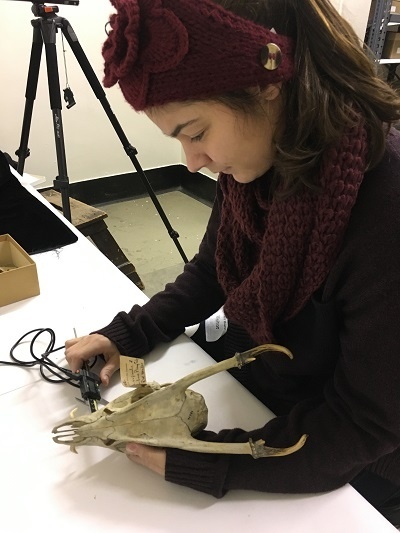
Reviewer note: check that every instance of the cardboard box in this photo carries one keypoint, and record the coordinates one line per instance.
(391, 48)
(18, 274)
(395, 9)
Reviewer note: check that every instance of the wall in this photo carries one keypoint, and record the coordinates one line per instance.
(93, 149)
(356, 12)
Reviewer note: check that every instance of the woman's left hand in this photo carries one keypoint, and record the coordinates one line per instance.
(149, 456)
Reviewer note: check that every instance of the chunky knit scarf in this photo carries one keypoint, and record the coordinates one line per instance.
(272, 255)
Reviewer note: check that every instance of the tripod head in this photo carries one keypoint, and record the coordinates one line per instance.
(62, 2)
(40, 10)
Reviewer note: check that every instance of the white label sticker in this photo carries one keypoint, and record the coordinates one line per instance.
(216, 326)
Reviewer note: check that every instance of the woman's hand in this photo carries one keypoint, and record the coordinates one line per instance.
(79, 350)
(149, 456)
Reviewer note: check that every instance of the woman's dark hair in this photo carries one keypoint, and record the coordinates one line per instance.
(334, 76)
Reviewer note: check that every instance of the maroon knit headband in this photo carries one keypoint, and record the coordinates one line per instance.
(163, 51)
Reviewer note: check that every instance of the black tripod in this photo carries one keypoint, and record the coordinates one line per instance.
(45, 28)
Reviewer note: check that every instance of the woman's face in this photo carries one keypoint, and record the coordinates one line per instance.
(219, 139)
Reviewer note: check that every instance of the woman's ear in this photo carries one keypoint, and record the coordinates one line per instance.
(272, 91)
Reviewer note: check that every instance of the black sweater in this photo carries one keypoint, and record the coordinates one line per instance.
(343, 386)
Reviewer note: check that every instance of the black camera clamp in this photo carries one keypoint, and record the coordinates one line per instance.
(45, 28)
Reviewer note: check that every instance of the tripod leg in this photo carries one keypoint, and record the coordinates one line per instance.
(30, 96)
(129, 149)
(61, 183)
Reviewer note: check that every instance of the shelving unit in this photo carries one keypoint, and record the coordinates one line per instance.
(377, 29)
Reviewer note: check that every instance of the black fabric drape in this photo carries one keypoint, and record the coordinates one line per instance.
(26, 219)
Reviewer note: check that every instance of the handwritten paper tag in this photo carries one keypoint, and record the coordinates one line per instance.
(132, 371)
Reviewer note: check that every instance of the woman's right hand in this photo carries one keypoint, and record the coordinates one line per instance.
(81, 349)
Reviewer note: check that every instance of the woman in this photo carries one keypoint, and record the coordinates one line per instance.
(277, 97)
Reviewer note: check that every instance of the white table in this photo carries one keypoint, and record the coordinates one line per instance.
(47, 488)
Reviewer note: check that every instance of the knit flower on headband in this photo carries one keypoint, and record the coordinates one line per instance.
(162, 51)
(144, 39)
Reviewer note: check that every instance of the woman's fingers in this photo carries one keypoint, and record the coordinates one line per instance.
(81, 349)
(111, 366)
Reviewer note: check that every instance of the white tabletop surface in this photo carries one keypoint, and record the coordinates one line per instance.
(47, 488)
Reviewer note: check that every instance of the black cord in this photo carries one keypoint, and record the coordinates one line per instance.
(62, 375)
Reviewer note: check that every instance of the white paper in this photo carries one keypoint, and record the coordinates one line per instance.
(216, 326)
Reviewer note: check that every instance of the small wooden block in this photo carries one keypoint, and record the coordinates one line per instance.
(81, 214)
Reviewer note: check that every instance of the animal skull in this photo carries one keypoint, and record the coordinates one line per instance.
(165, 416)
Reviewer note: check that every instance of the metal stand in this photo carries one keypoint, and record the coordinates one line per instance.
(376, 34)
(377, 31)
(45, 28)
